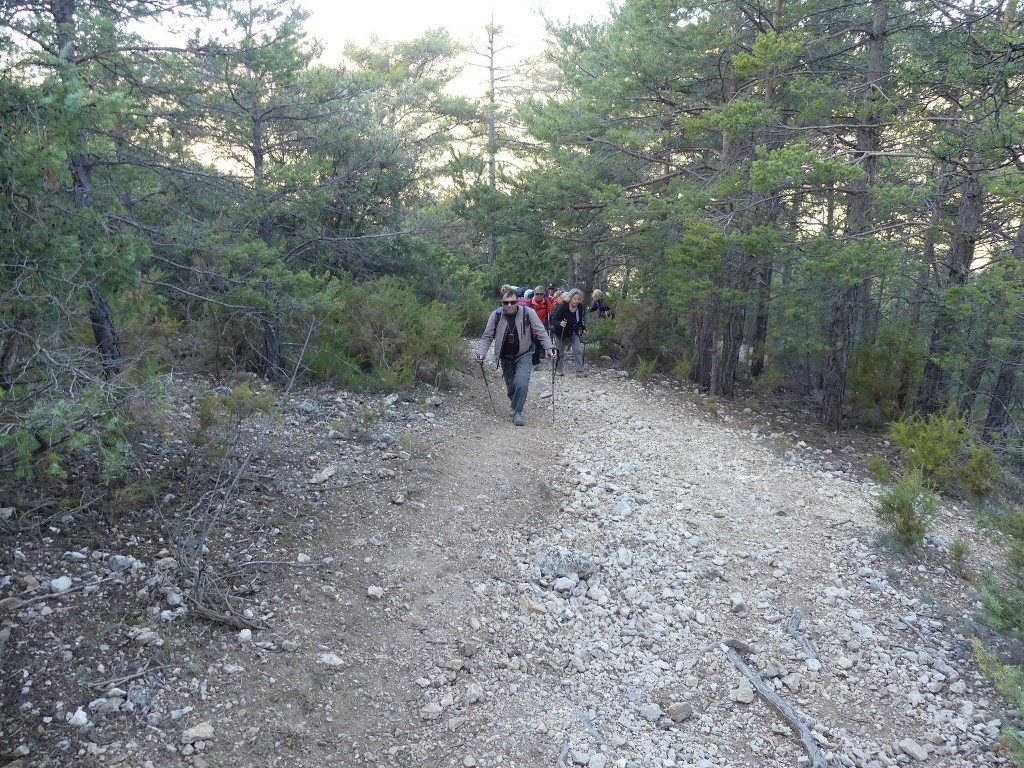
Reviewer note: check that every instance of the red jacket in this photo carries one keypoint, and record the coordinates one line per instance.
(541, 306)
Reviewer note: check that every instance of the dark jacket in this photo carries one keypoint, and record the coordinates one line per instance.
(576, 321)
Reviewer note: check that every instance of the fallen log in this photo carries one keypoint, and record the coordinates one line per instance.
(784, 709)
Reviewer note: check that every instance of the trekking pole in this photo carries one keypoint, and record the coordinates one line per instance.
(487, 384)
(554, 361)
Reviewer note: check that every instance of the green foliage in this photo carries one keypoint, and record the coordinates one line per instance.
(1009, 680)
(1002, 590)
(907, 508)
(879, 469)
(221, 413)
(958, 556)
(86, 433)
(682, 369)
(769, 381)
(882, 374)
(381, 334)
(930, 445)
(470, 312)
(978, 470)
(645, 369)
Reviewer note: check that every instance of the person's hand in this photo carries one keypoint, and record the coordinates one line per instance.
(479, 358)
(563, 323)
(551, 354)
(584, 331)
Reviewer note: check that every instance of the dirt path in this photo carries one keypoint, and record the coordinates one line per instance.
(456, 591)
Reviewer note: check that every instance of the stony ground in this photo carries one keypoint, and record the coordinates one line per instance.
(634, 578)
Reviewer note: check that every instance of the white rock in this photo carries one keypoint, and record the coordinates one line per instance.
(201, 732)
(431, 711)
(374, 592)
(62, 584)
(913, 750)
(78, 718)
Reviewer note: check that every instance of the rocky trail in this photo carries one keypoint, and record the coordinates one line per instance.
(632, 579)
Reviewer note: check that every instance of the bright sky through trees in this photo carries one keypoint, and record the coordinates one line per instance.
(522, 23)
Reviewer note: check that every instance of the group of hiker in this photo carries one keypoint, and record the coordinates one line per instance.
(530, 321)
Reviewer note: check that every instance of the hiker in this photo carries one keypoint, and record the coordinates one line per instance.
(602, 309)
(515, 331)
(539, 304)
(568, 323)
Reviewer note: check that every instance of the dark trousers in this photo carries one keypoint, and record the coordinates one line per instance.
(517, 379)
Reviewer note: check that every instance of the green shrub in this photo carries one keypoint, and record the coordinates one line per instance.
(978, 471)
(882, 374)
(221, 414)
(769, 381)
(879, 469)
(682, 369)
(907, 508)
(380, 334)
(1009, 680)
(645, 369)
(1003, 598)
(87, 431)
(958, 555)
(931, 445)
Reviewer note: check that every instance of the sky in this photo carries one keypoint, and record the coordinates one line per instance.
(335, 21)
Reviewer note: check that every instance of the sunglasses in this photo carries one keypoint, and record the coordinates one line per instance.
(509, 302)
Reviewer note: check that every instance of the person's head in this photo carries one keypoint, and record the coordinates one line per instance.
(575, 297)
(509, 301)
(558, 297)
(505, 288)
(520, 292)
(598, 294)
(538, 291)
(528, 294)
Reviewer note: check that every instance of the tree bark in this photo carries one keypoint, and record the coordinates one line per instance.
(849, 298)
(934, 393)
(998, 418)
(105, 333)
(760, 340)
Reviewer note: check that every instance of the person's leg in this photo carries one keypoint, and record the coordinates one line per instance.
(508, 372)
(560, 348)
(521, 382)
(577, 353)
(537, 348)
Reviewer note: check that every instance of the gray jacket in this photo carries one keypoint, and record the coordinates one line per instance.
(528, 325)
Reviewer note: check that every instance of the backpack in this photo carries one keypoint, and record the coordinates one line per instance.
(526, 320)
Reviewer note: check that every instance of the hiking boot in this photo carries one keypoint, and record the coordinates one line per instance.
(518, 420)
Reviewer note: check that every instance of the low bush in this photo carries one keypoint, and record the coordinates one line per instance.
(930, 445)
(645, 369)
(1009, 680)
(907, 508)
(882, 374)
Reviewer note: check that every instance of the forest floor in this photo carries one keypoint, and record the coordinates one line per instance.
(629, 580)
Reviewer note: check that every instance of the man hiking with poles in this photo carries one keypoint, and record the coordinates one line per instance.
(515, 330)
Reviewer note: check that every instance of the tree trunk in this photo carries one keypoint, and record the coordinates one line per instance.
(764, 292)
(976, 370)
(934, 392)
(9, 357)
(735, 326)
(272, 345)
(840, 334)
(704, 345)
(105, 333)
(850, 298)
(998, 418)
